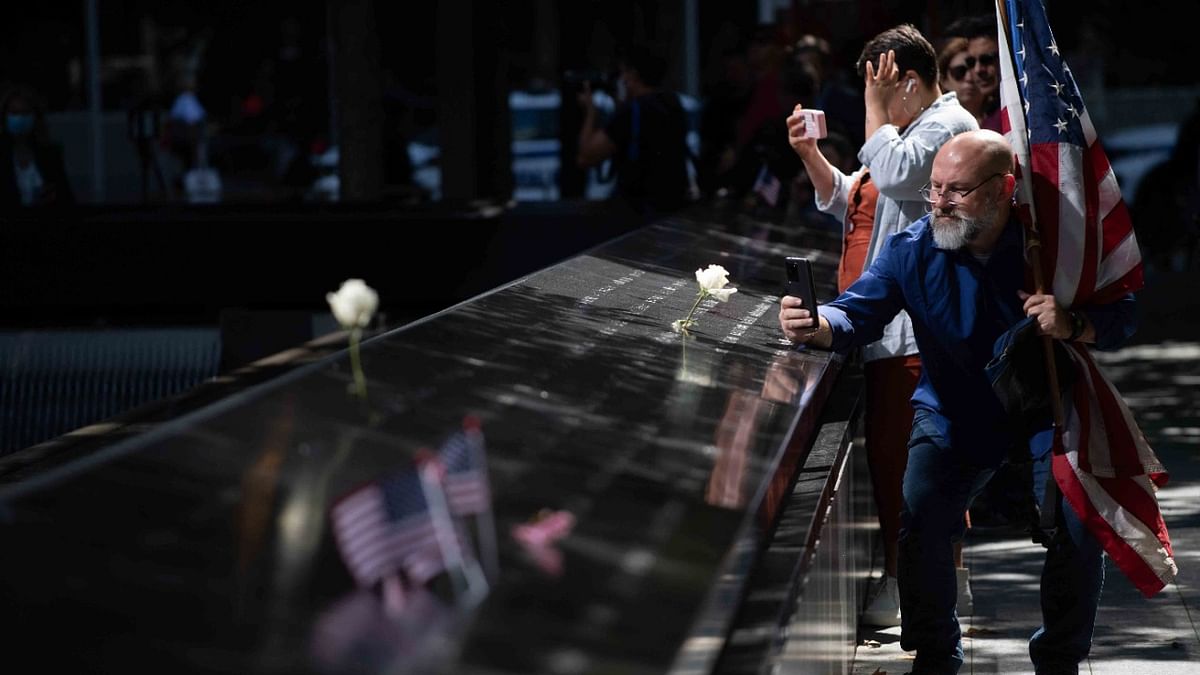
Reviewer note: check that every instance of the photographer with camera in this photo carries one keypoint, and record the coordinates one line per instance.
(646, 137)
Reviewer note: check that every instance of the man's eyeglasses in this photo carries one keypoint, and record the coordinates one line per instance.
(960, 71)
(954, 196)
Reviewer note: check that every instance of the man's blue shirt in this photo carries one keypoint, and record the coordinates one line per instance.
(959, 306)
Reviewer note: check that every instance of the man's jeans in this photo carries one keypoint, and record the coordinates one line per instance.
(1072, 580)
(939, 485)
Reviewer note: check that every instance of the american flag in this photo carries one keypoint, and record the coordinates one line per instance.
(768, 186)
(385, 527)
(1069, 197)
(466, 481)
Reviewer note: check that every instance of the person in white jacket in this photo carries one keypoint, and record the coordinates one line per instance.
(908, 118)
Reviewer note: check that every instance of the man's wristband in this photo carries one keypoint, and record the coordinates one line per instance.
(1078, 324)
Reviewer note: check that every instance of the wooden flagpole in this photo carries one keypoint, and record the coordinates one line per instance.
(1048, 513)
(1033, 245)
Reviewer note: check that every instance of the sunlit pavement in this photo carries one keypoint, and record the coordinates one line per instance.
(1134, 635)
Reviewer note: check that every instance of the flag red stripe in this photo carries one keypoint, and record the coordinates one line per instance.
(1121, 446)
(1044, 160)
(390, 545)
(1124, 555)
(1106, 181)
(1116, 230)
(1116, 224)
(1116, 227)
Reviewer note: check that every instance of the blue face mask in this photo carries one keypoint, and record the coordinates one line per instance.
(18, 124)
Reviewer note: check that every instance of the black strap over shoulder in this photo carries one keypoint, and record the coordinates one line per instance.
(1019, 378)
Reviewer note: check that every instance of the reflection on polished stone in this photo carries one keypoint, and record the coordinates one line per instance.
(360, 633)
(211, 543)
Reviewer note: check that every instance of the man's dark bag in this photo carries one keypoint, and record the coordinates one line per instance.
(1020, 380)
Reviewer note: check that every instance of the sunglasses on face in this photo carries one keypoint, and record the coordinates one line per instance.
(960, 71)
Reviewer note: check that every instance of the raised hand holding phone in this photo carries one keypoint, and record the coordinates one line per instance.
(814, 123)
(804, 128)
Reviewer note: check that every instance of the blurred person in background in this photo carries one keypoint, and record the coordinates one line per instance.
(188, 138)
(835, 94)
(765, 166)
(982, 61)
(767, 56)
(958, 77)
(32, 169)
(186, 121)
(725, 97)
(1166, 208)
(646, 137)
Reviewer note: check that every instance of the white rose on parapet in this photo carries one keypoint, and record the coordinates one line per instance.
(712, 278)
(713, 281)
(353, 304)
(722, 294)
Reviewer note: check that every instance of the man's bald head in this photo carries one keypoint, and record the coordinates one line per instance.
(973, 178)
(985, 150)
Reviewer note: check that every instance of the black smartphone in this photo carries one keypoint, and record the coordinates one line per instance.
(800, 283)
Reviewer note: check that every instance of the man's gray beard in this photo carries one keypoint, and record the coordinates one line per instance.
(954, 232)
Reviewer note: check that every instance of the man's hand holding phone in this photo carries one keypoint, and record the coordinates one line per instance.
(800, 325)
(798, 314)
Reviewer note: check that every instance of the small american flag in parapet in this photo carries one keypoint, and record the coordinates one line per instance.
(385, 527)
(768, 186)
(466, 479)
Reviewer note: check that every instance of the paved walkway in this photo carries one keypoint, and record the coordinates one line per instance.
(1134, 635)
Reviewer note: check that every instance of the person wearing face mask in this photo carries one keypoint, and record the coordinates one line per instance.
(646, 137)
(960, 274)
(908, 117)
(32, 170)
